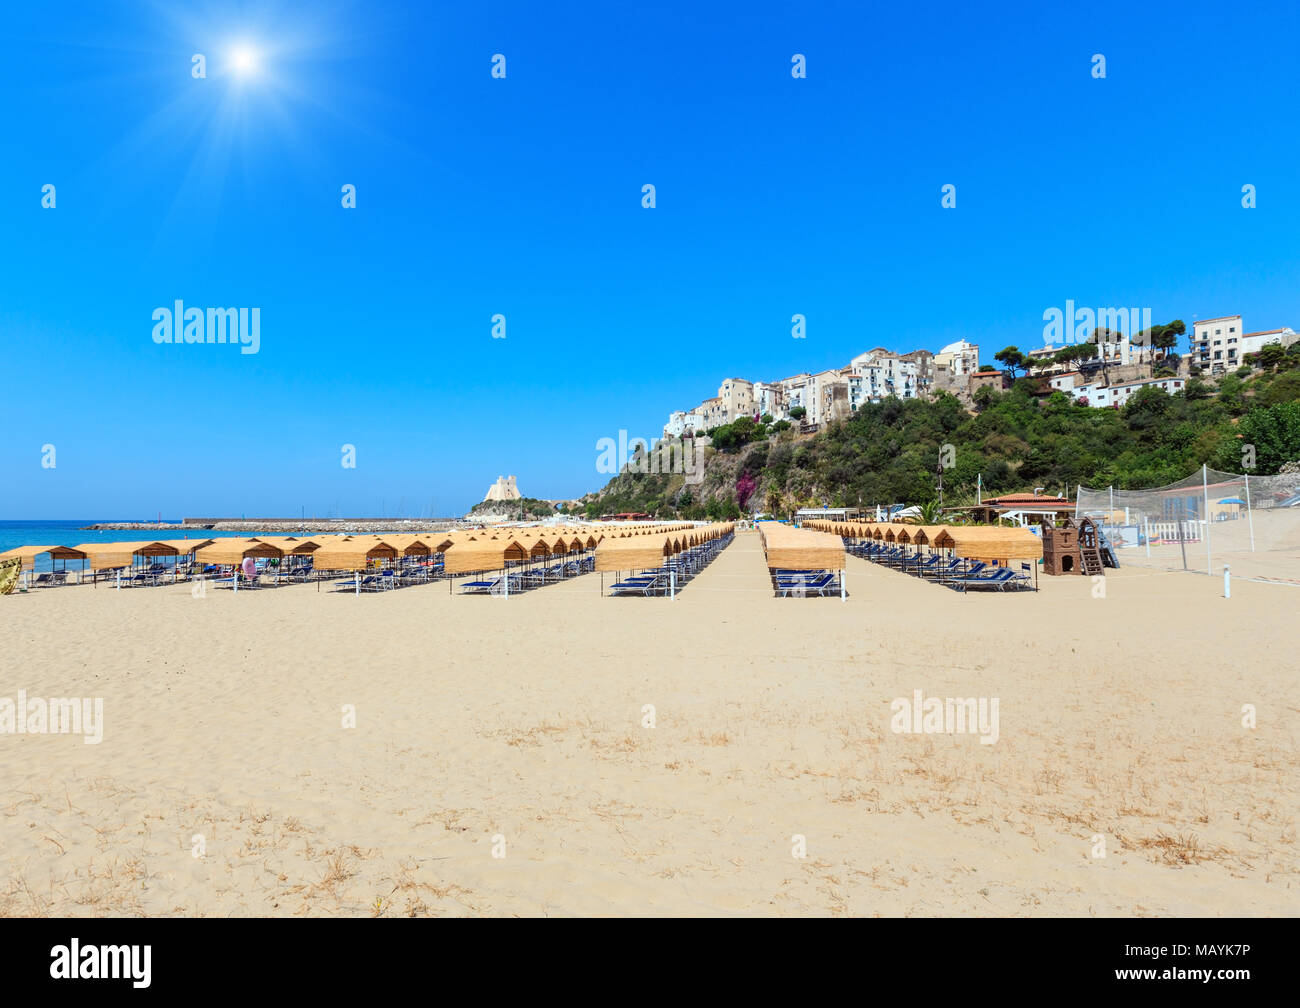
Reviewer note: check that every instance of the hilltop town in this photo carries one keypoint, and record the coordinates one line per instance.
(1104, 369)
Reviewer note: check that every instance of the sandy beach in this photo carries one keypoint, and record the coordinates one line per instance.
(516, 727)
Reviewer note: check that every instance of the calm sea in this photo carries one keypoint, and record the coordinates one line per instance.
(73, 533)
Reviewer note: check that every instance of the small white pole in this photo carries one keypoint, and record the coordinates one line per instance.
(1146, 523)
(1250, 518)
(505, 573)
(356, 581)
(672, 585)
(843, 574)
(1205, 485)
(119, 579)
(1227, 582)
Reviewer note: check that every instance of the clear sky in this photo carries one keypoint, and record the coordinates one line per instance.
(521, 196)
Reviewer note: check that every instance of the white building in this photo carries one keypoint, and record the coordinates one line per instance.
(681, 421)
(885, 373)
(959, 359)
(1117, 395)
(797, 390)
(1219, 344)
(1216, 342)
(769, 398)
(1254, 342)
(1066, 382)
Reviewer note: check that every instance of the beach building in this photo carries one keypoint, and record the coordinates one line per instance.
(828, 513)
(1025, 509)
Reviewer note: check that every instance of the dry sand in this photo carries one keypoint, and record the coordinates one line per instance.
(478, 717)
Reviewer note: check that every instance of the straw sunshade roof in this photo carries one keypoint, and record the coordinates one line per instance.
(409, 544)
(482, 555)
(100, 554)
(924, 535)
(303, 547)
(352, 554)
(990, 543)
(186, 545)
(801, 548)
(28, 554)
(232, 551)
(636, 553)
(121, 554)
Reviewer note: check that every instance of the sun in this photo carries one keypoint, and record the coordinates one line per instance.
(243, 58)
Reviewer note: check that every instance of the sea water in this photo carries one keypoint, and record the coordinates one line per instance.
(74, 533)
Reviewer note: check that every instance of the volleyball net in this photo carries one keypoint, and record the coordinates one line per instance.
(1203, 522)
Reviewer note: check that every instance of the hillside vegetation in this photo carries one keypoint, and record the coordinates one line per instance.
(888, 452)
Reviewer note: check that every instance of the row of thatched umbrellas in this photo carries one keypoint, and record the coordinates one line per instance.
(463, 552)
(990, 543)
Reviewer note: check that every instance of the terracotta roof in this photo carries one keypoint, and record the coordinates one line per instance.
(1262, 332)
(1022, 498)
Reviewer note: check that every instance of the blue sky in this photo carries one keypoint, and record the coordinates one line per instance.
(522, 197)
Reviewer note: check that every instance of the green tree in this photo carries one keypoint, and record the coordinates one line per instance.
(1012, 358)
(1270, 356)
(1275, 433)
(985, 396)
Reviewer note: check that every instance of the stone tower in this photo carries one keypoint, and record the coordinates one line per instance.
(504, 489)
